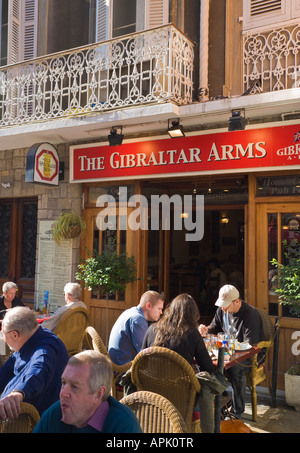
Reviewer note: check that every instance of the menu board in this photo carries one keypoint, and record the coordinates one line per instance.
(54, 267)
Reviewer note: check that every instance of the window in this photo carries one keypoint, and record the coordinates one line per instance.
(4, 31)
(264, 14)
(118, 17)
(123, 17)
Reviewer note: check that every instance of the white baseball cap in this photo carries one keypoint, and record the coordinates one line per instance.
(227, 294)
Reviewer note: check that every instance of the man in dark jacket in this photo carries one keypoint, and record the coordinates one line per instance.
(33, 372)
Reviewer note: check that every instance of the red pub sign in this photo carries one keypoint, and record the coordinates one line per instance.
(219, 152)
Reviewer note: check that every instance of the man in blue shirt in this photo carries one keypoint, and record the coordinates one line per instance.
(85, 404)
(127, 334)
(33, 373)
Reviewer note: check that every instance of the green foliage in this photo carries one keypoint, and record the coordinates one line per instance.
(69, 225)
(109, 272)
(294, 370)
(288, 278)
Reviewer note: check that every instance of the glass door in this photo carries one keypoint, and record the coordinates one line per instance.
(283, 239)
(277, 233)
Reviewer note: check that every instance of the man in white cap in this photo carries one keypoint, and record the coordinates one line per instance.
(235, 317)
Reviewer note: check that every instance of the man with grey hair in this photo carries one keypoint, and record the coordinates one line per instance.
(8, 299)
(127, 335)
(32, 373)
(72, 293)
(85, 404)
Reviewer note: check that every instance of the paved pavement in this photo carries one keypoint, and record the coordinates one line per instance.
(281, 419)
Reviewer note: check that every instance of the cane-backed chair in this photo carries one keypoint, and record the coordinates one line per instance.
(71, 328)
(26, 421)
(167, 373)
(155, 413)
(258, 374)
(93, 340)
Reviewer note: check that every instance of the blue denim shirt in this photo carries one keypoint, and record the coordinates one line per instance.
(127, 335)
(36, 369)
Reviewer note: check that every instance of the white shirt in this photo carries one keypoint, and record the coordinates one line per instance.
(50, 323)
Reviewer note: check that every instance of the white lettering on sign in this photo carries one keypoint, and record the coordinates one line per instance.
(170, 157)
(178, 157)
(234, 152)
(289, 150)
(91, 163)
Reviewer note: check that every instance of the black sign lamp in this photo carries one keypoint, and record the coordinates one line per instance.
(237, 121)
(176, 130)
(114, 138)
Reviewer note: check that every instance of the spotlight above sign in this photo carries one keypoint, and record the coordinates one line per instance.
(42, 164)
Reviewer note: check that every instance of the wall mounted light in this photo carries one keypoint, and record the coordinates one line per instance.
(237, 121)
(114, 138)
(176, 130)
(225, 220)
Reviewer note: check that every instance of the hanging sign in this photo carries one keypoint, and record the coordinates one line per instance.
(225, 152)
(42, 164)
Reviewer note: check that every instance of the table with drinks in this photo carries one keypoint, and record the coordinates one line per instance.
(226, 352)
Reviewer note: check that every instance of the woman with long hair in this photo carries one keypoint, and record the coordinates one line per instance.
(178, 330)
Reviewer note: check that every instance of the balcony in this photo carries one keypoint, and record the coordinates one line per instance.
(154, 66)
(272, 60)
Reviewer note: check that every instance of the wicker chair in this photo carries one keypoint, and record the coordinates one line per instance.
(167, 373)
(93, 340)
(155, 413)
(257, 373)
(71, 328)
(28, 418)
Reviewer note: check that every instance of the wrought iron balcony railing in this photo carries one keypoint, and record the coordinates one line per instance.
(272, 60)
(147, 67)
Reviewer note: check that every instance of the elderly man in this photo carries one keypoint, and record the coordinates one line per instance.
(32, 373)
(235, 317)
(85, 405)
(72, 293)
(8, 298)
(127, 334)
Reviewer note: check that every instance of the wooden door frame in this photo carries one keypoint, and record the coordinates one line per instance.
(89, 215)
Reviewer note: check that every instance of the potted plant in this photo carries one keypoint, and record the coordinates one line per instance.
(292, 386)
(287, 281)
(69, 225)
(108, 272)
(287, 286)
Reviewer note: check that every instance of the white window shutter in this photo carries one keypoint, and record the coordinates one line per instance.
(14, 31)
(22, 30)
(30, 14)
(157, 13)
(102, 22)
(296, 8)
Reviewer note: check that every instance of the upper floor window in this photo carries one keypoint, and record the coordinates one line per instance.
(119, 17)
(4, 31)
(123, 17)
(267, 14)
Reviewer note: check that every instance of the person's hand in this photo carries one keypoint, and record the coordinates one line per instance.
(203, 330)
(10, 405)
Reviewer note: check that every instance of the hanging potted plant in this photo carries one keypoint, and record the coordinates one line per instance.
(69, 225)
(287, 286)
(108, 272)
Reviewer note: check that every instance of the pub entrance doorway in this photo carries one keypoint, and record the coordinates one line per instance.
(201, 267)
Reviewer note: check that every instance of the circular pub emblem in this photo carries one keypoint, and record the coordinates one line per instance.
(42, 164)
